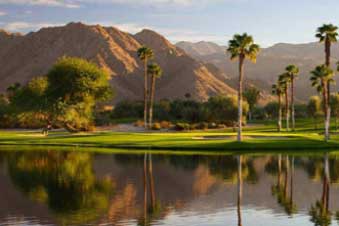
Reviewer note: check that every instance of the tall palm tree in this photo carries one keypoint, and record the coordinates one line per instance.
(292, 71)
(277, 89)
(242, 47)
(327, 34)
(155, 72)
(284, 81)
(145, 54)
(321, 76)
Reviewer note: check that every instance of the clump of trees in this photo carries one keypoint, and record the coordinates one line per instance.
(66, 97)
(218, 109)
(252, 96)
(152, 71)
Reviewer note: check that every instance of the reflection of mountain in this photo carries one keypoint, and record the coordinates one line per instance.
(183, 184)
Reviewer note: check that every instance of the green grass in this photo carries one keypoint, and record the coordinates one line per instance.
(262, 137)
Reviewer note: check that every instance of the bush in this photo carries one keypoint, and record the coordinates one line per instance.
(182, 126)
(139, 123)
(202, 126)
(156, 126)
(165, 124)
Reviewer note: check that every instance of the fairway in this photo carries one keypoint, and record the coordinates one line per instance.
(258, 137)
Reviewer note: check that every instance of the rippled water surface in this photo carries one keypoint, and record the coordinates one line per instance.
(84, 188)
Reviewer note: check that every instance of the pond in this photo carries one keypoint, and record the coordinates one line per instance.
(86, 188)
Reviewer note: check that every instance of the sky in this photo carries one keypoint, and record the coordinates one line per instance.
(268, 21)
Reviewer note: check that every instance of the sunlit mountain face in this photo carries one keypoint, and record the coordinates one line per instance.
(52, 187)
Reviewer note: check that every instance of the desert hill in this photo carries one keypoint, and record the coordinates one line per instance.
(270, 63)
(24, 56)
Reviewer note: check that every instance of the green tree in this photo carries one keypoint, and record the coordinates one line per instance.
(277, 89)
(145, 54)
(327, 34)
(334, 103)
(284, 81)
(321, 76)
(242, 47)
(292, 71)
(155, 72)
(252, 96)
(314, 109)
(75, 86)
(224, 109)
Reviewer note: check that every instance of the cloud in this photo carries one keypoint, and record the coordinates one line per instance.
(52, 3)
(2, 13)
(20, 26)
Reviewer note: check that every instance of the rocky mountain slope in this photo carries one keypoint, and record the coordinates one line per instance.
(270, 63)
(25, 56)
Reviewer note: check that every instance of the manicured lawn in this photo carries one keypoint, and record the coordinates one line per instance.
(259, 138)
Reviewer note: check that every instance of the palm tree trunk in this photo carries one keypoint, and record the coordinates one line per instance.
(239, 190)
(151, 101)
(328, 64)
(151, 181)
(327, 112)
(145, 94)
(292, 104)
(287, 110)
(279, 114)
(241, 67)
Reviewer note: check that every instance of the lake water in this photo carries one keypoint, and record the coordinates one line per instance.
(84, 188)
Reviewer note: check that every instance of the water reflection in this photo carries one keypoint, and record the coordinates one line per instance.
(83, 188)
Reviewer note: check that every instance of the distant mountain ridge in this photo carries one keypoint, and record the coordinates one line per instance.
(23, 57)
(270, 63)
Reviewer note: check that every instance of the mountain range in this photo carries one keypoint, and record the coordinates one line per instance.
(271, 62)
(23, 57)
(201, 69)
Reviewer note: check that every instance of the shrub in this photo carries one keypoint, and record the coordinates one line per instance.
(165, 124)
(139, 123)
(156, 126)
(182, 126)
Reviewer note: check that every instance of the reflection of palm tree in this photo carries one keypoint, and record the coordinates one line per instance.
(280, 190)
(151, 182)
(279, 171)
(145, 188)
(320, 214)
(239, 189)
(150, 211)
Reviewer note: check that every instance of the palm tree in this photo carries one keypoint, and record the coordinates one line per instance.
(242, 47)
(284, 81)
(277, 89)
(320, 78)
(327, 34)
(155, 72)
(145, 54)
(292, 72)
